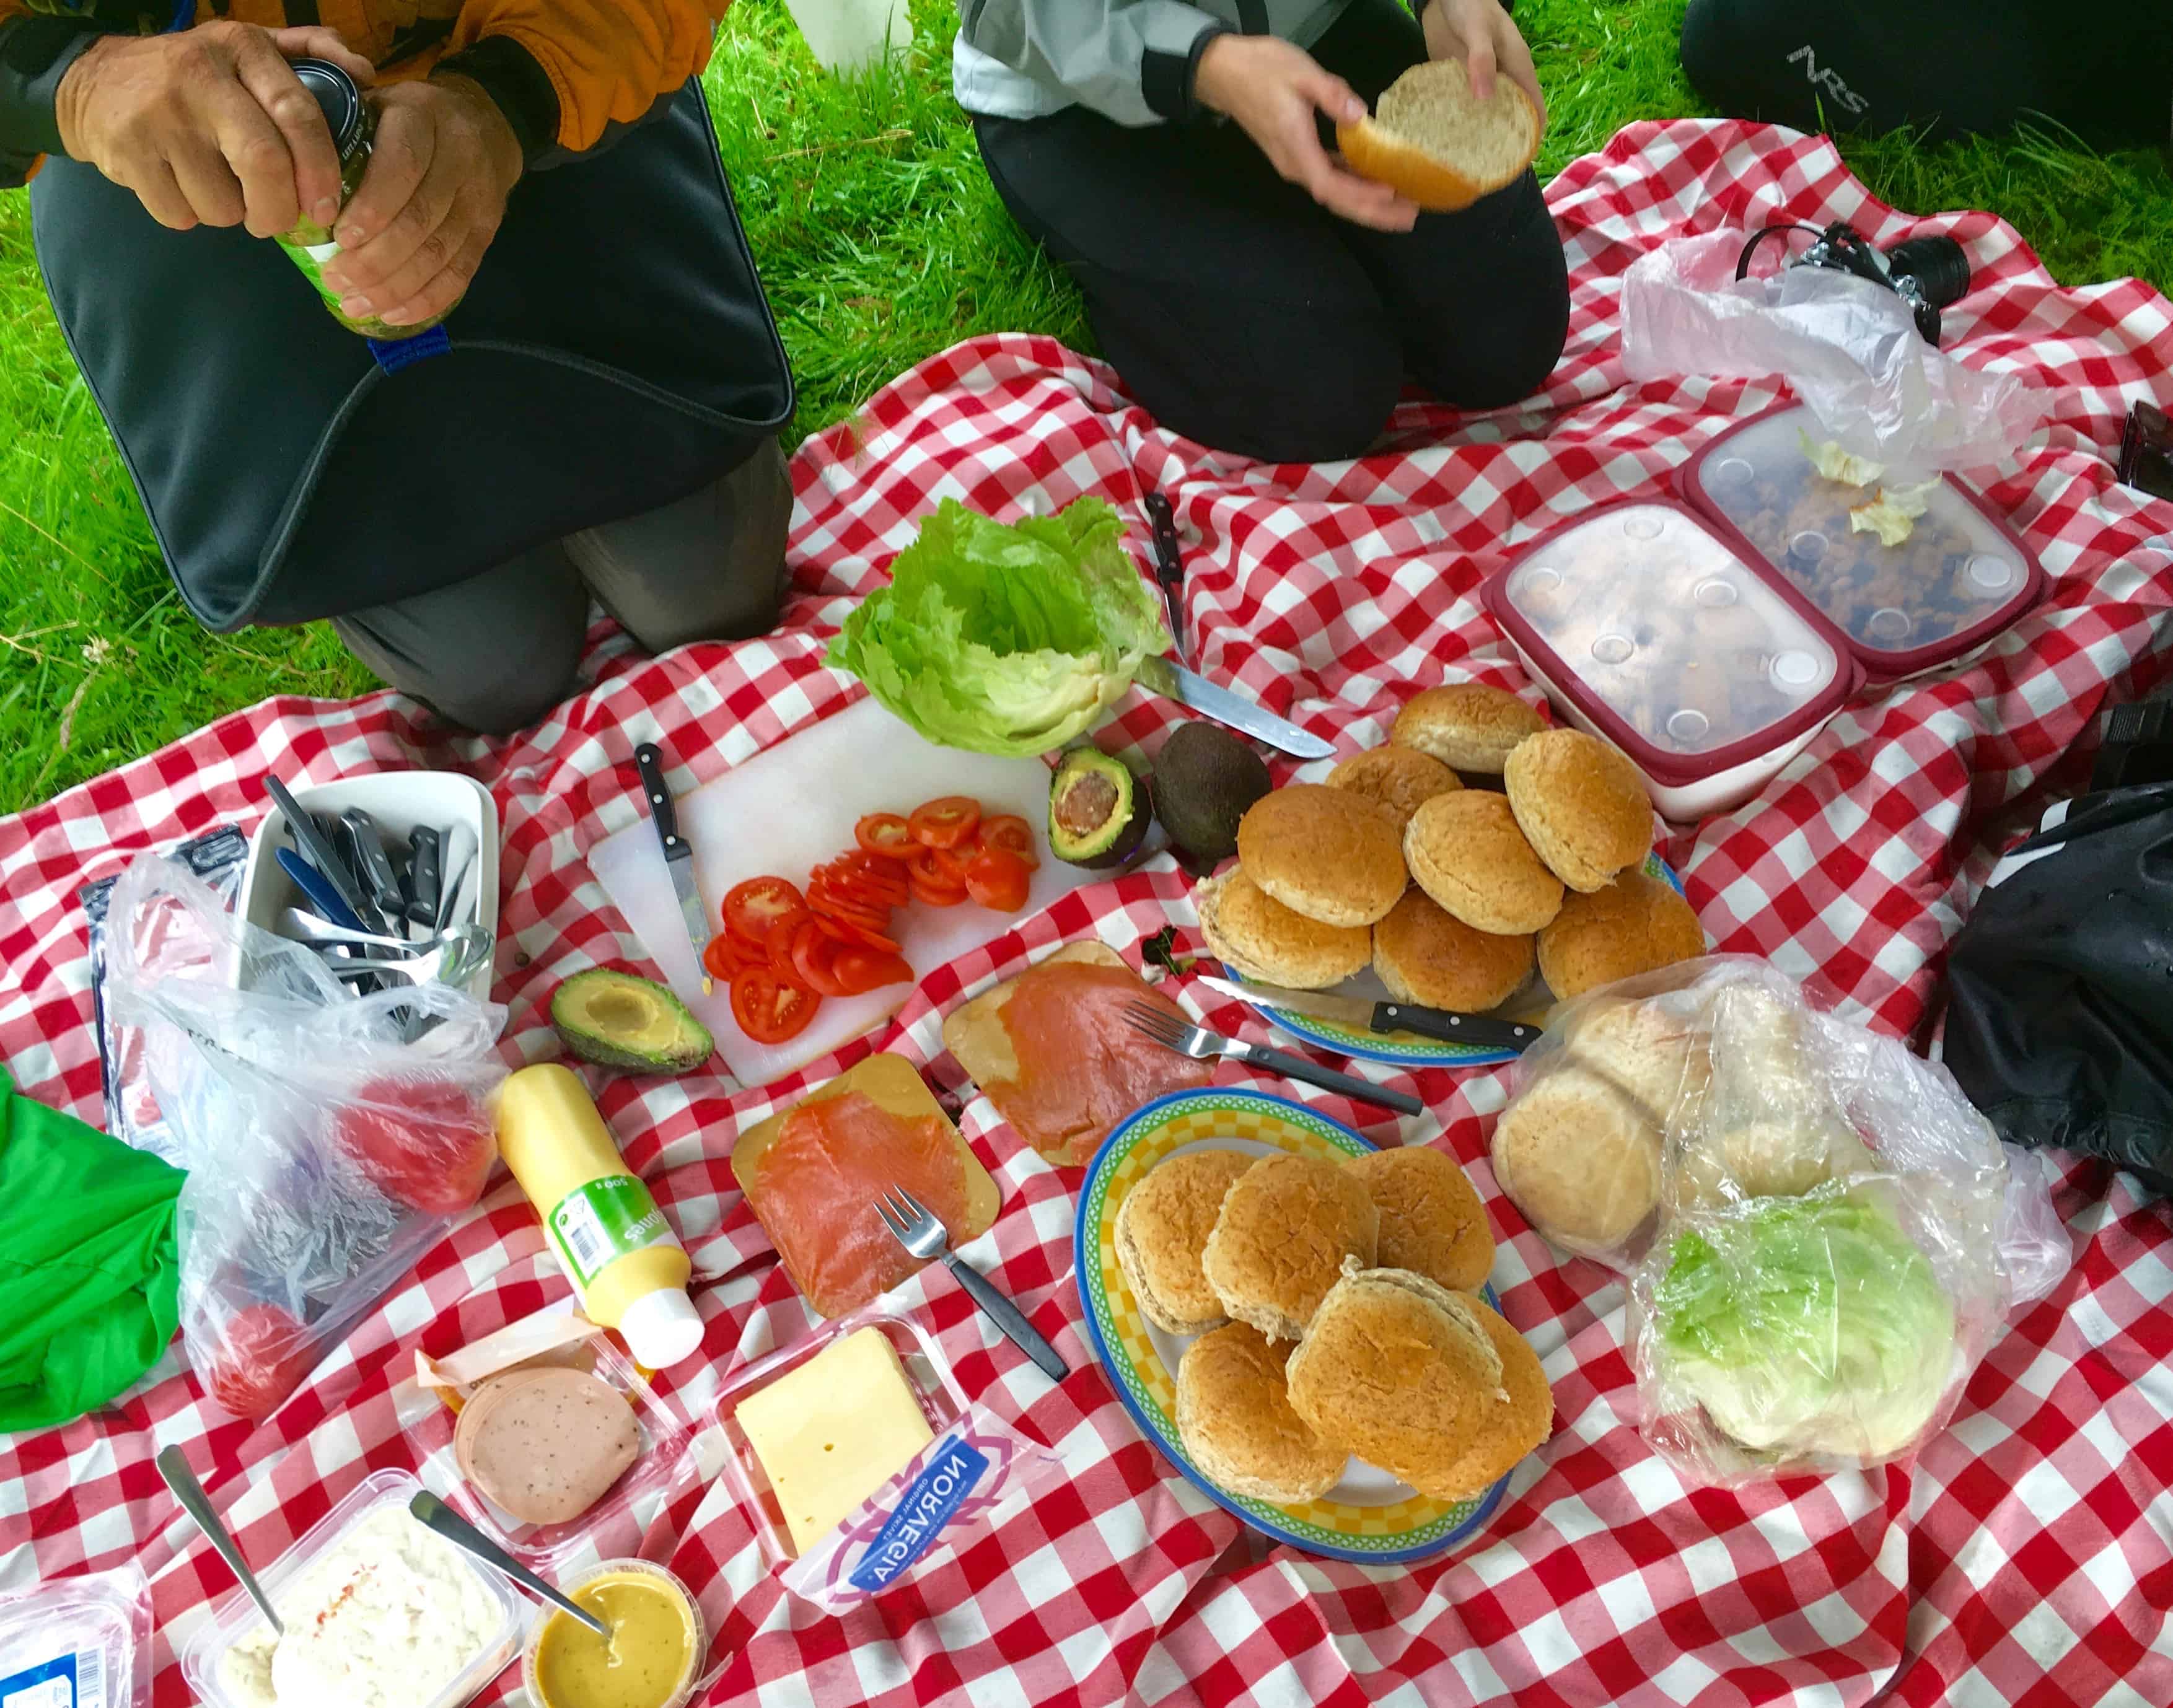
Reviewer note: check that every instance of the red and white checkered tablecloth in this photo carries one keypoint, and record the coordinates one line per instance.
(2027, 1559)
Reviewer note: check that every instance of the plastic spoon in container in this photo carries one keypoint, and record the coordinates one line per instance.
(434, 1514)
(174, 1467)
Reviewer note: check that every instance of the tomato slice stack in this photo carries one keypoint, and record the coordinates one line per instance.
(784, 951)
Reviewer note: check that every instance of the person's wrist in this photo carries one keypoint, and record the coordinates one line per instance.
(1218, 74)
(78, 88)
(500, 141)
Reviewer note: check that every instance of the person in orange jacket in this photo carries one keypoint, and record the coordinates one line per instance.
(596, 417)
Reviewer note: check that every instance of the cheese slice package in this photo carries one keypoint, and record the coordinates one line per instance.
(862, 1460)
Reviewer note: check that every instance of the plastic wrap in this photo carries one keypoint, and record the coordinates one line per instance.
(329, 1139)
(83, 1641)
(1850, 348)
(1821, 1235)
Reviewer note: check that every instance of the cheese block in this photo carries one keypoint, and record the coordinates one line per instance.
(832, 1432)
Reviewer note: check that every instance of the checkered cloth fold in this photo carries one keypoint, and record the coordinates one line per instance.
(2026, 1561)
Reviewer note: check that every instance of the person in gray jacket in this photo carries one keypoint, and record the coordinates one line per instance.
(1176, 157)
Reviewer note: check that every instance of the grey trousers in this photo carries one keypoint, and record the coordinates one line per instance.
(497, 651)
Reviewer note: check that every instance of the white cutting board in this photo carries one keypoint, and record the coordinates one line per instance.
(791, 808)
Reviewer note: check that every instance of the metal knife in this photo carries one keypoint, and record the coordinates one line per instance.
(318, 851)
(1169, 566)
(1481, 1031)
(678, 855)
(1188, 688)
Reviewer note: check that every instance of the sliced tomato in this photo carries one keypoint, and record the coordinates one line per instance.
(856, 937)
(934, 894)
(1012, 833)
(776, 946)
(859, 969)
(884, 834)
(769, 1009)
(814, 959)
(998, 879)
(850, 912)
(939, 867)
(727, 952)
(751, 908)
(944, 822)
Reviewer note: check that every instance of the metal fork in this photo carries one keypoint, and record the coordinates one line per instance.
(1173, 1031)
(918, 1230)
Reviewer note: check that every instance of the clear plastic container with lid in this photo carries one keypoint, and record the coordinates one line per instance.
(78, 1643)
(226, 1657)
(1650, 631)
(1960, 577)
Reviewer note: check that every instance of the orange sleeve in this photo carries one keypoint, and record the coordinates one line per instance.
(608, 60)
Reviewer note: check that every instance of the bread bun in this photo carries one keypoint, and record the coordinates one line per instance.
(1425, 954)
(1438, 144)
(1646, 1049)
(1467, 853)
(1405, 1374)
(1279, 1245)
(1580, 1157)
(1234, 1418)
(1324, 853)
(1469, 725)
(1259, 938)
(1161, 1230)
(1397, 778)
(1431, 1220)
(1518, 1420)
(1582, 806)
(1635, 924)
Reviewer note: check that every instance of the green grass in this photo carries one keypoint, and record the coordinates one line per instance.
(880, 242)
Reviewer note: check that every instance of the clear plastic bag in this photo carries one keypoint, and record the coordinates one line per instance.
(329, 1138)
(1849, 348)
(1821, 1235)
(83, 1641)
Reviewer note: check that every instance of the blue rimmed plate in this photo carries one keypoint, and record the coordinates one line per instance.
(1406, 1049)
(1369, 1516)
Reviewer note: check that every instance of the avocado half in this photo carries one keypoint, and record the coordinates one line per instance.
(617, 1019)
(1098, 812)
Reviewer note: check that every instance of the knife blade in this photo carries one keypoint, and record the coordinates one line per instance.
(1169, 566)
(1481, 1031)
(1188, 688)
(679, 855)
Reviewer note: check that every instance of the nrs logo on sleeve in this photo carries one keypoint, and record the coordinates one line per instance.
(1825, 77)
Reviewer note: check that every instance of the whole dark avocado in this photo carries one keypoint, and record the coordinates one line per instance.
(1098, 812)
(1204, 779)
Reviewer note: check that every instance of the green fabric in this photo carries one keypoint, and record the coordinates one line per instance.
(89, 1267)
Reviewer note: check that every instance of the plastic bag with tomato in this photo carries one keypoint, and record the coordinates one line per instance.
(330, 1139)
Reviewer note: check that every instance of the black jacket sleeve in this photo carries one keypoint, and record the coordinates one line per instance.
(34, 54)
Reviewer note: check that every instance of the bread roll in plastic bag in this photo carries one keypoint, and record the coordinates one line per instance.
(329, 1138)
(1848, 346)
(1821, 1235)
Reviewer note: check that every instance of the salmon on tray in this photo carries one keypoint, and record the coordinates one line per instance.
(1053, 1052)
(812, 1174)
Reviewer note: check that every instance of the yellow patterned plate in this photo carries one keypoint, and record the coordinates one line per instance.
(1369, 1516)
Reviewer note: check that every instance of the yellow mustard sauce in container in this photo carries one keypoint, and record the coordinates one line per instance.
(657, 1644)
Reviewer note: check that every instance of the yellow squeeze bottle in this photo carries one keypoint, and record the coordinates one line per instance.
(608, 1234)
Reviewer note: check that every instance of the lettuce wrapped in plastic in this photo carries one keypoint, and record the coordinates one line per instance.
(1795, 1333)
(1005, 638)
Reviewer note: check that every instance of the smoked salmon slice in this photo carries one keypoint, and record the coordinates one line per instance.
(816, 1194)
(1082, 1068)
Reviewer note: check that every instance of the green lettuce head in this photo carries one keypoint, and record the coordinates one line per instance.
(1807, 1327)
(1005, 638)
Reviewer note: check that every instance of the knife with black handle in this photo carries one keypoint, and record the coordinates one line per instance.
(679, 855)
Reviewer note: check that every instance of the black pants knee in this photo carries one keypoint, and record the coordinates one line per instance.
(1949, 67)
(1246, 316)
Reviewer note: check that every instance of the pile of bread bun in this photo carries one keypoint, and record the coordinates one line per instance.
(1338, 1313)
(1579, 1147)
(1451, 893)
